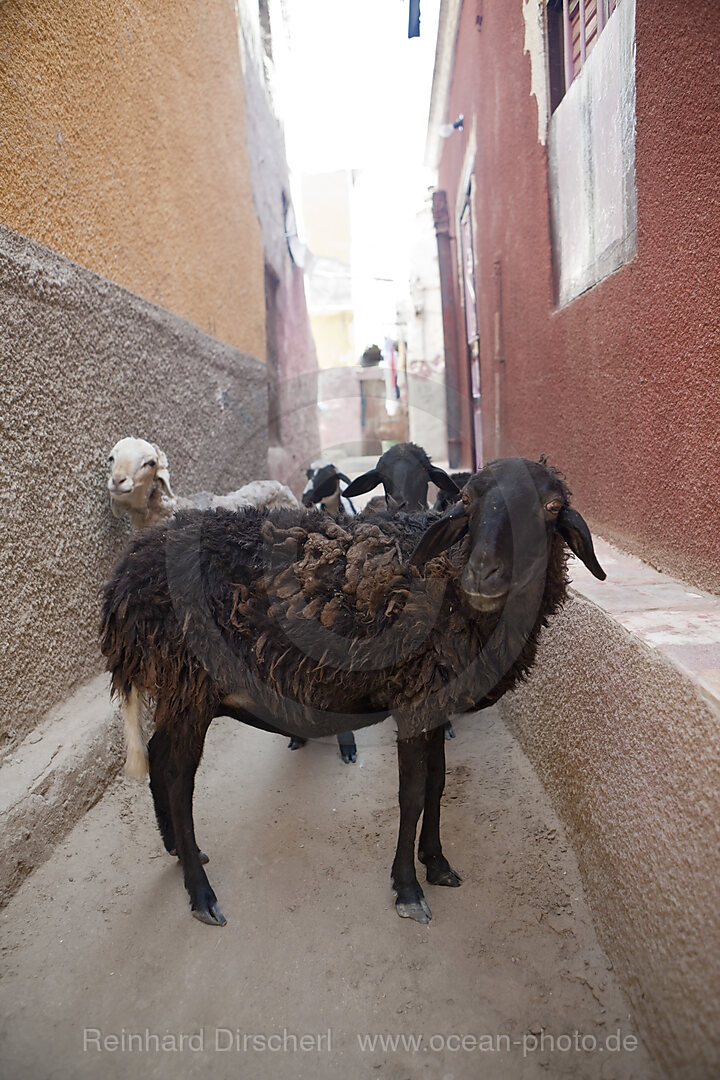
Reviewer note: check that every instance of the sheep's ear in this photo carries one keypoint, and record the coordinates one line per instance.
(441, 479)
(574, 531)
(345, 479)
(361, 484)
(441, 535)
(162, 472)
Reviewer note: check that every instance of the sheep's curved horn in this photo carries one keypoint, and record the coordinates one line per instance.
(162, 472)
(574, 531)
(441, 479)
(441, 535)
(361, 484)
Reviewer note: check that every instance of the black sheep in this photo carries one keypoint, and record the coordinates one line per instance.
(323, 490)
(404, 471)
(445, 499)
(286, 621)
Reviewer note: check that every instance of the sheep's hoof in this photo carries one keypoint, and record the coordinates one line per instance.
(449, 730)
(419, 910)
(212, 915)
(348, 754)
(443, 876)
(439, 871)
(411, 904)
(295, 743)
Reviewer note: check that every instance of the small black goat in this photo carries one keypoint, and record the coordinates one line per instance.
(404, 471)
(323, 489)
(286, 621)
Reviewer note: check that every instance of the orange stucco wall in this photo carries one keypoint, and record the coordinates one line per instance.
(123, 148)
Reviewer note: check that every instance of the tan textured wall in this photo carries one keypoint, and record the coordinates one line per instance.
(82, 364)
(629, 751)
(123, 148)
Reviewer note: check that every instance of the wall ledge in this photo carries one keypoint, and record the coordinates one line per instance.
(53, 777)
(678, 621)
(620, 717)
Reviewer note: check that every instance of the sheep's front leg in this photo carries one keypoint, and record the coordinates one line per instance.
(184, 746)
(439, 871)
(410, 902)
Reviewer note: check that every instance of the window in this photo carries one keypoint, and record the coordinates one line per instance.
(265, 27)
(573, 30)
(591, 141)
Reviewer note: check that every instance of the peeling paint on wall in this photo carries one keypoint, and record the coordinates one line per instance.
(536, 44)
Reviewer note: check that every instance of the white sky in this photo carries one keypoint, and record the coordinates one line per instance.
(359, 89)
(356, 95)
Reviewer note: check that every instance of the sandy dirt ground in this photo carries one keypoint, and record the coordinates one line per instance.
(105, 972)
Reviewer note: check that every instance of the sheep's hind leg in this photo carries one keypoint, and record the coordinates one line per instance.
(158, 749)
(185, 745)
(347, 746)
(438, 869)
(410, 902)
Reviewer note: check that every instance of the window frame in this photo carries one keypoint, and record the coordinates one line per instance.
(573, 28)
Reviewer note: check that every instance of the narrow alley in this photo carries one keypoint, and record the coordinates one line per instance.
(360, 362)
(506, 981)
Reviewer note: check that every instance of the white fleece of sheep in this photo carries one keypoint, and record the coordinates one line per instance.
(143, 489)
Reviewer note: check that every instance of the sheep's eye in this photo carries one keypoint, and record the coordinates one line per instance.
(111, 460)
(465, 499)
(149, 464)
(554, 506)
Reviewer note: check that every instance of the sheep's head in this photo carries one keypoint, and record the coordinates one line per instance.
(323, 482)
(511, 511)
(136, 468)
(404, 471)
(446, 499)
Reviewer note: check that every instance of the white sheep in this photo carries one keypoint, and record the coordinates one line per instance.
(139, 485)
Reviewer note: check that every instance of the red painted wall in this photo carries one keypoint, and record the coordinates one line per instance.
(621, 388)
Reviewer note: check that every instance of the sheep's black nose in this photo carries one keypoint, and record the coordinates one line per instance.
(488, 578)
